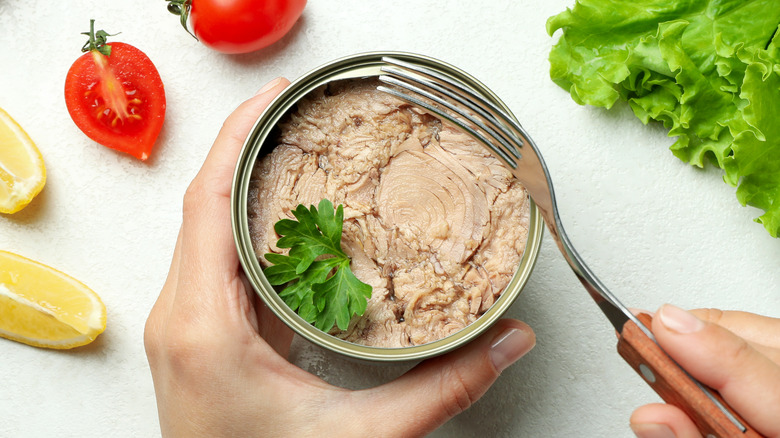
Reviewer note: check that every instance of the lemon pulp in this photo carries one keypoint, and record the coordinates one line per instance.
(44, 307)
(22, 172)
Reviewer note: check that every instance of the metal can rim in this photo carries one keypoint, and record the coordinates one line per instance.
(357, 66)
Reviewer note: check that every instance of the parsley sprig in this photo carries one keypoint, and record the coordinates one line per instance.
(323, 290)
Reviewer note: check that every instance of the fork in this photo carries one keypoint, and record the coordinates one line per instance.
(451, 99)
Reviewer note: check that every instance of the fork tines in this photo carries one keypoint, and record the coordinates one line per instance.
(456, 102)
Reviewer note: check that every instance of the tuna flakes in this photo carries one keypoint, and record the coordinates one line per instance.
(433, 222)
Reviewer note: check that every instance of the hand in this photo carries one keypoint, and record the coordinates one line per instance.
(735, 353)
(218, 356)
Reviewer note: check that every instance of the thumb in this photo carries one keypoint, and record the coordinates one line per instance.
(440, 388)
(746, 379)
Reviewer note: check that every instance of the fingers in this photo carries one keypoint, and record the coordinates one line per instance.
(221, 161)
(754, 328)
(208, 253)
(746, 379)
(158, 315)
(165, 300)
(760, 331)
(662, 421)
(271, 328)
(440, 388)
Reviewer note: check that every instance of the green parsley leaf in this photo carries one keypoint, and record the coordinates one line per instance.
(334, 301)
(320, 285)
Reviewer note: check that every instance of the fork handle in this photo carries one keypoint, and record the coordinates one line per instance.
(674, 385)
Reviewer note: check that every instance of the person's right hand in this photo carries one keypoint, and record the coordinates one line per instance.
(735, 353)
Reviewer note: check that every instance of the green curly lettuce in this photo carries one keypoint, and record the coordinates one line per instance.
(709, 70)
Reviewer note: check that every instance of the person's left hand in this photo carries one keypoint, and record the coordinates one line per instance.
(218, 356)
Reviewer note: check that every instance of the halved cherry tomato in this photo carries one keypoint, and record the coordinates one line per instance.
(238, 26)
(115, 96)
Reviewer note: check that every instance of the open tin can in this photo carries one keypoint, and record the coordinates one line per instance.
(365, 65)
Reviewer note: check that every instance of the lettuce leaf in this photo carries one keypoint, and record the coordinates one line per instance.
(708, 70)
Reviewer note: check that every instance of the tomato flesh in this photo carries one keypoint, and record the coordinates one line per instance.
(117, 100)
(242, 26)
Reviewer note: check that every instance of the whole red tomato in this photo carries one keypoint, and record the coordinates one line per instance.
(115, 95)
(238, 26)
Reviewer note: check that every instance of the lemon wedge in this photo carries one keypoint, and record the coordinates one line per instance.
(43, 307)
(22, 173)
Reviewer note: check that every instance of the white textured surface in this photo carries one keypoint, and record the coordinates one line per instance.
(654, 229)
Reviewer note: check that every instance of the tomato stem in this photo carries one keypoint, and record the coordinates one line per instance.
(182, 9)
(111, 89)
(97, 40)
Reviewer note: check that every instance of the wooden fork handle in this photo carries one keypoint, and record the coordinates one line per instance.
(675, 386)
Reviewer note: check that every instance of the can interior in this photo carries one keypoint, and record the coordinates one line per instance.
(256, 146)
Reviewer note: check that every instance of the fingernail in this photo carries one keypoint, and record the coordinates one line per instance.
(636, 311)
(510, 346)
(269, 86)
(678, 320)
(652, 430)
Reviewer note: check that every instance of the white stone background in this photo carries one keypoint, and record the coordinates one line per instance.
(654, 229)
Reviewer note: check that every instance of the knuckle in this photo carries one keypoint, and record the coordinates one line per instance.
(710, 314)
(183, 355)
(457, 393)
(175, 345)
(152, 341)
(229, 131)
(741, 352)
(193, 196)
